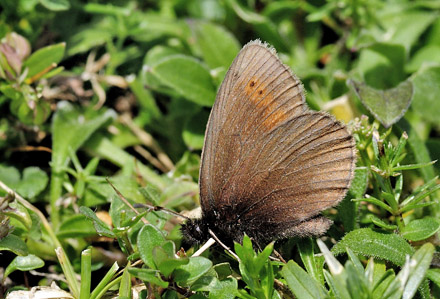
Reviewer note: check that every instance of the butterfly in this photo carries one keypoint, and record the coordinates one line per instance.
(269, 164)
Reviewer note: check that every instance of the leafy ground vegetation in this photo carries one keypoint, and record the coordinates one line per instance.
(122, 90)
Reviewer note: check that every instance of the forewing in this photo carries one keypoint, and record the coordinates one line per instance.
(266, 156)
(238, 109)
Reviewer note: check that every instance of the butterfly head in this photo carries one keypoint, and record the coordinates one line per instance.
(195, 231)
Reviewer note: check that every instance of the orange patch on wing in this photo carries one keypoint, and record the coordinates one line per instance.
(265, 103)
(274, 119)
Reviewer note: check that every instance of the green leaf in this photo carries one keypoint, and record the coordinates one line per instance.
(426, 88)
(423, 57)
(14, 244)
(101, 227)
(56, 5)
(420, 263)
(218, 46)
(188, 77)
(365, 241)
(44, 58)
(72, 127)
(148, 238)
(359, 183)
(418, 149)
(381, 65)
(189, 273)
(24, 263)
(338, 278)
(312, 263)
(125, 285)
(76, 226)
(226, 289)
(300, 283)
(406, 26)
(420, 229)
(223, 270)
(379, 222)
(388, 106)
(107, 9)
(34, 181)
(194, 130)
(148, 275)
(119, 208)
(434, 275)
(165, 262)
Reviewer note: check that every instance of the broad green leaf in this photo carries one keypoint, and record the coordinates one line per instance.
(10, 176)
(300, 282)
(388, 106)
(149, 108)
(365, 241)
(178, 193)
(14, 244)
(85, 40)
(218, 46)
(24, 263)
(204, 283)
(56, 5)
(426, 91)
(420, 229)
(151, 193)
(189, 273)
(405, 27)
(72, 127)
(266, 29)
(33, 182)
(148, 238)
(100, 226)
(119, 208)
(194, 130)
(165, 263)
(427, 55)
(44, 58)
(153, 26)
(149, 275)
(226, 289)
(107, 9)
(381, 65)
(223, 270)
(75, 226)
(188, 77)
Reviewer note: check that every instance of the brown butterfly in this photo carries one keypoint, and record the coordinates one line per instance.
(269, 164)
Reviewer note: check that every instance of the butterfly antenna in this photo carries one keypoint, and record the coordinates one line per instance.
(150, 207)
(223, 245)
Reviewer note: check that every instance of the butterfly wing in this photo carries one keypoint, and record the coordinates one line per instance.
(267, 159)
